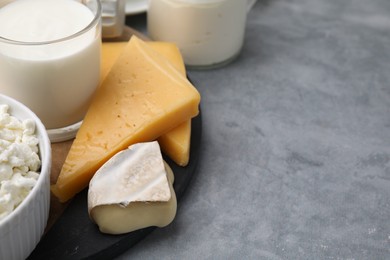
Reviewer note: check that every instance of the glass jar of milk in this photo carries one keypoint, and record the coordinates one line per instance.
(50, 59)
(209, 33)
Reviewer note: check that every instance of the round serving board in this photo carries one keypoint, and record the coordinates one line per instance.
(70, 234)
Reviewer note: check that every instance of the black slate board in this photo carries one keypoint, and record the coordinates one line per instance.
(74, 236)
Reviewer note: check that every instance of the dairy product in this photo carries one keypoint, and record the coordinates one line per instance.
(112, 49)
(19, 160)
(175, 143)
(208, 32)
(109, 54)
(171, 52)
(142, 98)
(132, 190)
(45, 62)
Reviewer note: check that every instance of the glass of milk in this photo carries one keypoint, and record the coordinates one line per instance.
(209, 33)
(50, 59)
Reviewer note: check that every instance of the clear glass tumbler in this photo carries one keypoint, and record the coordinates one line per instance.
(50, 59)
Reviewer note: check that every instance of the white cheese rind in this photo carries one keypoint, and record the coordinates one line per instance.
(135, 174)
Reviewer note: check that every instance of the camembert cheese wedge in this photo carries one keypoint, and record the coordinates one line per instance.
(142, 98)
(132, 190)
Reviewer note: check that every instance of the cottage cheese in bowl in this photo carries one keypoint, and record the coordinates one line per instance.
(25, 165)
(19, 160)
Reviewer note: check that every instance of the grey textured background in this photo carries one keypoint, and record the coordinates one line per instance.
(295, 160)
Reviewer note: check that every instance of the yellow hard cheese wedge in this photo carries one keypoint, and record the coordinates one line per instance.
(175, 143)
(142, 98)
(132, 190)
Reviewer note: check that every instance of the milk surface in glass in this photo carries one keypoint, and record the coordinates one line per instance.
(208, 32)
(50, 58)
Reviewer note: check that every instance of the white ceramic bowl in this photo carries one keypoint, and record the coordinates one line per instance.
(21, 230)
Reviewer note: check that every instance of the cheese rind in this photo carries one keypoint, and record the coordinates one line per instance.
(134, 174)
(133, 190)
(142, 98)
(116, 219)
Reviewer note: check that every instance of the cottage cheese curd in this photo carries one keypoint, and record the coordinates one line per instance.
(19, 160)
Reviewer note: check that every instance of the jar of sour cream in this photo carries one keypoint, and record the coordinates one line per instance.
(209, 33)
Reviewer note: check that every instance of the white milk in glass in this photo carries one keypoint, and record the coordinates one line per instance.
(50, 58)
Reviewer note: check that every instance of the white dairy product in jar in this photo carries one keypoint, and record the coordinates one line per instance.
(19, 160)
(50, 57)
(208, 32)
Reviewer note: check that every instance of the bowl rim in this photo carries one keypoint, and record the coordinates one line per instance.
(44, 142)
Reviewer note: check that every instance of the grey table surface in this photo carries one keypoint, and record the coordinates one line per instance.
(295, 160)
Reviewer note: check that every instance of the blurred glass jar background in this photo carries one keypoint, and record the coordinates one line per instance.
(209, 33)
